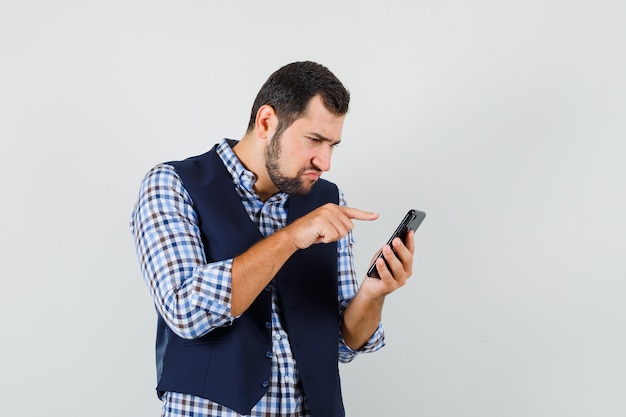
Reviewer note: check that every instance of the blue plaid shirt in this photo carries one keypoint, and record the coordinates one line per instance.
(193, 296)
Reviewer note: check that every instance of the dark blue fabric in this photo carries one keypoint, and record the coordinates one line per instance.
(230, 365)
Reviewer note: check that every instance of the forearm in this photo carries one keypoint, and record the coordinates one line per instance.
(195, 299)
(256, 267)
(191, 295)
(363, 314)
(361, 319)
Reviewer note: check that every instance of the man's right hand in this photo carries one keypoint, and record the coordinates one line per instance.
(253, 269)
(327, 223)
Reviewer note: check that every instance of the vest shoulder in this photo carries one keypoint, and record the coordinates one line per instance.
(193, 160)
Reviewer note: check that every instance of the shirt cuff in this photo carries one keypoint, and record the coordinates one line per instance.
(213, 291)
(374, 343)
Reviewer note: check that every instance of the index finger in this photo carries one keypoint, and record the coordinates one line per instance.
(355, 213)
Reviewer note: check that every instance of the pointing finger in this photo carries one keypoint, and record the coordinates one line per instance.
(357, 214)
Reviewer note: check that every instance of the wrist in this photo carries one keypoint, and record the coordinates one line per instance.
(288, 239)
(370, 293)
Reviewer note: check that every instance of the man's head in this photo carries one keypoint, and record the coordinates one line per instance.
(289, 90)
(296, 121)
(296, 157)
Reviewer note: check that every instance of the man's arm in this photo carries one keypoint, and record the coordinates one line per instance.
(191, 295)
(362, 316)
(194, 296)
(256, 267)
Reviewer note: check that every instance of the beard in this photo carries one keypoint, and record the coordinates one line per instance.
(294, 186)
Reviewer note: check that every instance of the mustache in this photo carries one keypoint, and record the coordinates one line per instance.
(311, 168)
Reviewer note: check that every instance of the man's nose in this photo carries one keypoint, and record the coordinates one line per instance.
(323, 157)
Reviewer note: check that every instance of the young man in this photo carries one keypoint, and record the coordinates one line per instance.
(247, 254)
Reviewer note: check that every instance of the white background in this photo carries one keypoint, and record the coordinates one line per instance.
(504, 120)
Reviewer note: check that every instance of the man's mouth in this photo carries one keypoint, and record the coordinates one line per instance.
(312, 174)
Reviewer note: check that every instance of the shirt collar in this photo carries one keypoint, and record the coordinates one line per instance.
(242, 178)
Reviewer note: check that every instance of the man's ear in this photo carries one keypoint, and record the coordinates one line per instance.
(266, 121)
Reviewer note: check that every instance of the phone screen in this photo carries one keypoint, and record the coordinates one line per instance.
(411, 221)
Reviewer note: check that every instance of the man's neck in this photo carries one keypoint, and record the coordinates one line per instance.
(250, 152)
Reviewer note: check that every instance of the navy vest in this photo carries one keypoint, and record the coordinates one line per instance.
(231, 365)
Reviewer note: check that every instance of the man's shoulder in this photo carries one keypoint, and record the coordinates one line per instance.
(191, 160)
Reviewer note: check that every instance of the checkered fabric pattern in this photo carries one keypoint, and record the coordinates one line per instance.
(193, 296)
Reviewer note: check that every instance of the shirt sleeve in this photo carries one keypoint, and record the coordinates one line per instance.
(191, 295)
(348, 287)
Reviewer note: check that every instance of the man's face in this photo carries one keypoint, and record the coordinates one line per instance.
(296, 158)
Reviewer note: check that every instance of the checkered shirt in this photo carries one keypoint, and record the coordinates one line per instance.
(193, 296)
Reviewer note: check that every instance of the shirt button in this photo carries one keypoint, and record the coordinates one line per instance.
(277, 336)
(287, 379)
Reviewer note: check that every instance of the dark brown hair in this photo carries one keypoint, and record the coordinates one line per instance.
(290, 88)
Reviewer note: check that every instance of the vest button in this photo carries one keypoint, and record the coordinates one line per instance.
(268, 325)
(266, 384)
(268, 355)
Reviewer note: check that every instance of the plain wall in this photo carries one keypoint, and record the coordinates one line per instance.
(504, 120)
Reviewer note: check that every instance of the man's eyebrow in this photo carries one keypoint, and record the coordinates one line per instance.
(324, 138)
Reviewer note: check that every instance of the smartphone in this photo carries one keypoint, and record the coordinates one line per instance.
(411, 221)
